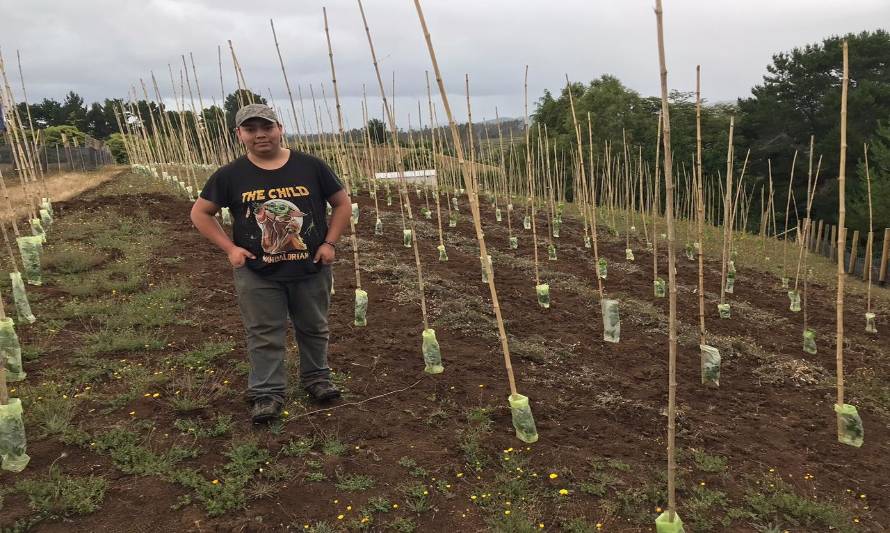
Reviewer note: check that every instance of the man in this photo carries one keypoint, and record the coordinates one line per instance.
(281, 255)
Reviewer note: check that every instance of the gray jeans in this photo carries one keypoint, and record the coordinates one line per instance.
(265, 307)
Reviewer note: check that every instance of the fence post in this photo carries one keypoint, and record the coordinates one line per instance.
(854, 251)
(817, 244)
(832, 242)
(884, 256)
(866, 259)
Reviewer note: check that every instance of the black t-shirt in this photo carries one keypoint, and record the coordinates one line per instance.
(278, 215)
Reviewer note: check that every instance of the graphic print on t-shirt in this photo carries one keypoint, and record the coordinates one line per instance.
(281, 222)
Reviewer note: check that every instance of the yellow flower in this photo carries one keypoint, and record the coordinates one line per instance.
(460, 474)
(215, 482)
(563, 492)
(348, 507)
(658, 509)
(507, 512)
(340, 516)
(473, 497)
(132, 413)
(395, 506)
(155, 395)
(541, 525)
(285, 413)
(554, 475)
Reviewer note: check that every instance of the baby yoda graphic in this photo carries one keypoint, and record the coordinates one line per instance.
(280, 222)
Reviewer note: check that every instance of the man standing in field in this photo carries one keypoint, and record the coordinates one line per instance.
(281, 255)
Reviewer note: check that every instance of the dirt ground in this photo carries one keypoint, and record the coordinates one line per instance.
(595, 403)
(60, 186)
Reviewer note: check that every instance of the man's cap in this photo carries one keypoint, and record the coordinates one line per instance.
(255, 111)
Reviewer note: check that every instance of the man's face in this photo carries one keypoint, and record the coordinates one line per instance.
(260, 136)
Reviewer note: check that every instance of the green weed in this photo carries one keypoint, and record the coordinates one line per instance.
(60, 495)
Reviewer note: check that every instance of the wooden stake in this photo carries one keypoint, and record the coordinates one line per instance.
(885, 256)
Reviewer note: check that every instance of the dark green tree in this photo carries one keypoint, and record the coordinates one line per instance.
(800, 97)
(53, 135)
(237, 99)
(377, 131)
(115, 143)
(879, 170)
(73, 111)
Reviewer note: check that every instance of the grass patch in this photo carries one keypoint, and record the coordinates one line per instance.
(298, 447)
(51, 414)
(354, 482)
(333, 447)
(68, 258)
(58, 495)
(774, 501)
(713, 464)
(203, 356)
(471, 437)
(221, 425)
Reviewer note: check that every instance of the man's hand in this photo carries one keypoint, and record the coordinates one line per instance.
(238, 256)
(325, 254)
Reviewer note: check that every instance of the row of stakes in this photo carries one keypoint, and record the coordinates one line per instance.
(13, 443)
(851, 429)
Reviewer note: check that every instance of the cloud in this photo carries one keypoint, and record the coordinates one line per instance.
(100, 48)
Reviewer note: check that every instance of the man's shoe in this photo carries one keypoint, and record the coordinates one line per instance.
(323, 391)
(264, 410)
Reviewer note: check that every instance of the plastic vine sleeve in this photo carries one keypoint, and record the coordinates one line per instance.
(432, 355)
(523, 420)
(361, 308)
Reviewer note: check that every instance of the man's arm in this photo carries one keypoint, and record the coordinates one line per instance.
(341, 206)
(203, 216)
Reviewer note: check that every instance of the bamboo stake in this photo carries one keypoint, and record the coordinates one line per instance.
(672, 317)
(785, 228)
(400, 168)
(474, 200)
(701, 208)
(596, 259)
(870, 243)
(655, 200)
(842, 214)
(340, 147)
(531, 194)
(727, 213)
(433, 135)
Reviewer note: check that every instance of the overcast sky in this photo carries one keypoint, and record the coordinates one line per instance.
(99, 48)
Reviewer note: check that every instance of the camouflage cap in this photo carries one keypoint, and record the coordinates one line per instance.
(255, 111)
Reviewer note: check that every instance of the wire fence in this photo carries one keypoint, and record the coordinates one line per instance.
(62, 158)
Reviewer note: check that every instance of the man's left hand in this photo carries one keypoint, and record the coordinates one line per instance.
(325, 254)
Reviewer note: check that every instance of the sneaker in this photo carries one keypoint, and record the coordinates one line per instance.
(264, 410)
(323, 391)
